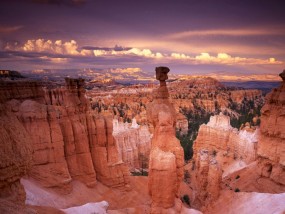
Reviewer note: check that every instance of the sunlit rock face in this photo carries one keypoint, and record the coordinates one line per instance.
(181, 124)
(49, 164)
(66, 138)
(166, 155)
(217, 148)
(219, 136)
(271, 149)
(133, 143)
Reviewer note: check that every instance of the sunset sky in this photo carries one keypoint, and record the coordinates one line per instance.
(216, 37)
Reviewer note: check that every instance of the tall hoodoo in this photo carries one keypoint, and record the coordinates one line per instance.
(166, 156)
(271, 149)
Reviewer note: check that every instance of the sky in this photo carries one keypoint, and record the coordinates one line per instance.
(222, 38)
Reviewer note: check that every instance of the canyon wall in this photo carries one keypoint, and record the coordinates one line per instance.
(65, 139)
(217, 149)
(20, 90)
(219, 137)
(249, 160)
(133, 143)
(15, 157)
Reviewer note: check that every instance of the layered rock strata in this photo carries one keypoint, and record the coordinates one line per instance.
(271, 147)
(181, 124)
(68, 140)
(219, 137)
(166, 156)
(133, 143)
(250, 160)
(217, 148)
(15, 157)
(239, 95)
(20, 90)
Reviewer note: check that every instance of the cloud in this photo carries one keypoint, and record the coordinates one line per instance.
(10, 29)
(59, 51)
(116, 48)
(228, 32)
(128, 51)
(224, 58)
(144, 53)
(54, 59)
(71, 48)
(180, 56)
(48, 46)
(125, 70)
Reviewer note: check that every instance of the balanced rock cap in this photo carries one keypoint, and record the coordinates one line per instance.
(161, 73)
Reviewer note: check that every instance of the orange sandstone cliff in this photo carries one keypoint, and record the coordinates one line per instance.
(66, 138)
(133, 143)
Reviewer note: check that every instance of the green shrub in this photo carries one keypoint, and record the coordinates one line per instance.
(186, 176)
(186, 199)
(143, 173)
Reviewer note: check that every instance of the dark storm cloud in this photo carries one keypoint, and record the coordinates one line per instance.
(11, 54)
(116, 48)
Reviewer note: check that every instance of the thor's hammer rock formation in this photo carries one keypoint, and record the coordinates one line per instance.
(166, 156)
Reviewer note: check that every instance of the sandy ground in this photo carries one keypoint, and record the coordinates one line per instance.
(248, 203)
(117, 199)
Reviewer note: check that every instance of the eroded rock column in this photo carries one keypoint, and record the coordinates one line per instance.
(166, 156)
(271, 148)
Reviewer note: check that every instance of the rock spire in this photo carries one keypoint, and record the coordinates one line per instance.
(166, 156)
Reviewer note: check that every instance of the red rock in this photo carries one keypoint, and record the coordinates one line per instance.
(66, 136)
(166, 156)
(133, 143)
(238, 95)
(271, 146)
(15, 157)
